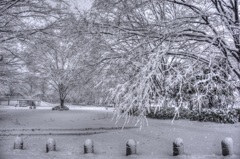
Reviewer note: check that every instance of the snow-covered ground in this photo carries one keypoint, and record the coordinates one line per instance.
(71, 128)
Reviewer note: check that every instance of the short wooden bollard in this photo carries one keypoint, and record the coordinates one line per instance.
(227, 146)
(178, 147)
(18, 143)
(88, 146)
(51, 145)
(131, 147)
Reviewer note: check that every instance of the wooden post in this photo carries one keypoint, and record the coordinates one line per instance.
(227, 146)
(178, 147)
(51, 145)
(18, 143)
(131, 147)
(88, 146)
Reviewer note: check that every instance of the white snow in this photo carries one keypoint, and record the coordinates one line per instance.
(131, 142)
(178, 142)
(72, 128)
(228, 141)
(88, 143)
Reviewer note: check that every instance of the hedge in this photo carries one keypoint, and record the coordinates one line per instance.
(207, 115)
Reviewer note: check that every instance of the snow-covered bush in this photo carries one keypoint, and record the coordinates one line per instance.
(60, 108)
(238, 112)
(215, 115)
(207, 115)
(163, 113)
(168, 113)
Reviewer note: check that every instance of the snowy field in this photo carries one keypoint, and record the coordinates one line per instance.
(71, 128)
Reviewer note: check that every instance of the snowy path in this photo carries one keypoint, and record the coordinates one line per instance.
(41, 132)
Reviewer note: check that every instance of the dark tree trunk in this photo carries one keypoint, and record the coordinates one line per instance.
(62, 92)
(61, 103)
(190, 105)
(8, 100)
(211, 104)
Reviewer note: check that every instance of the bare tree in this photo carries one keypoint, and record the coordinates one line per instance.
(215, 23)
(20, 21)
(60, 59)
(162, 46)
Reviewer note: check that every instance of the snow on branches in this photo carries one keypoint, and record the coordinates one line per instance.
(172, 53)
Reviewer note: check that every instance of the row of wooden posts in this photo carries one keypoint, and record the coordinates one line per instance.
(131, 146)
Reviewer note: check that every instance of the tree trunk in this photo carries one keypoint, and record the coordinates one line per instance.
(62, 92)
(200, 108)
(8, 100)
(61, 103)
(190, 105)
(210, 104)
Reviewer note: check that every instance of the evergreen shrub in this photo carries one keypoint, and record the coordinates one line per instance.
(206, 115)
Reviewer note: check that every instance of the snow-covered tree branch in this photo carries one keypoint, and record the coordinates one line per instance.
(170, 52)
